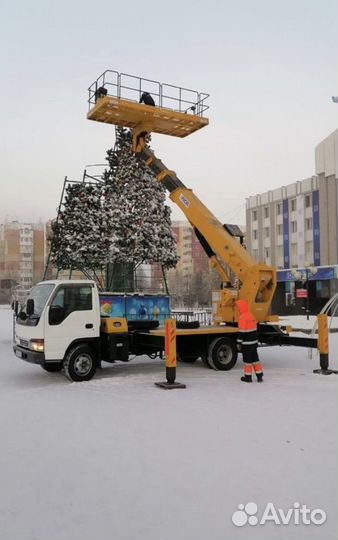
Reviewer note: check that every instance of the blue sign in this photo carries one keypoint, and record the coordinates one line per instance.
(112, 305)
(322, 273)
(148, 308)
(135, 307)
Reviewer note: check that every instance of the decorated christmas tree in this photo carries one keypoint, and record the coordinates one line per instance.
(135, 205)
(113, 226)
(80, 240)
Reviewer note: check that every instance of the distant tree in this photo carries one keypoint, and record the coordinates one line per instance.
(200, 289)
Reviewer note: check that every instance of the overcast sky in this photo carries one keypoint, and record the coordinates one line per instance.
(270, 68)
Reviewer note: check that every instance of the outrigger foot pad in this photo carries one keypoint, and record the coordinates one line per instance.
(170, 385)
(321, 371)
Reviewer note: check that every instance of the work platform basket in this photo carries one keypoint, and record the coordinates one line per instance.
(114, 98)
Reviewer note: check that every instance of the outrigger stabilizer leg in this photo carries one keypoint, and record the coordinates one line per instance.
(323, 347)
(170, 357)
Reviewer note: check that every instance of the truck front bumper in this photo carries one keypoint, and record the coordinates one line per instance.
(28, 355)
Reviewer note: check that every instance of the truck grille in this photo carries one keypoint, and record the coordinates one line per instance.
(24, 343)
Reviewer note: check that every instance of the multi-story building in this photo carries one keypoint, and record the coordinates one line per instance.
(282, 225)
(295, 228)
(22, 252)
(192, 257)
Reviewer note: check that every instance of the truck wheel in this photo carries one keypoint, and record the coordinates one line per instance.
(80, 363)
(222, 354)
(205, 361)
(53, 368)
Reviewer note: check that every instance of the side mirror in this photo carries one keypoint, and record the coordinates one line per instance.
(30, 307)
(16, 307)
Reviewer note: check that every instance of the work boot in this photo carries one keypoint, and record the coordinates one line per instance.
(246, 378)
(259, 377)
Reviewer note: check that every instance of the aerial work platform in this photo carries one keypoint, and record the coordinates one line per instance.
(114, 98)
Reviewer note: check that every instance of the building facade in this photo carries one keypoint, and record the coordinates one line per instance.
(22, 252)
(192, 260)
(295, 228)
(283, 225)
(192, 257)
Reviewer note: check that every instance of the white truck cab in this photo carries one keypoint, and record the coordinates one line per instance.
(60, 327)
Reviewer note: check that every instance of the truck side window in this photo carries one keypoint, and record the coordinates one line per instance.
(68, 299)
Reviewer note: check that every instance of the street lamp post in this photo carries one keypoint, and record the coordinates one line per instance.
(307, 311)
(309, 271)
(298, 275)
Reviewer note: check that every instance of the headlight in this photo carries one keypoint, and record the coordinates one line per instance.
(37, 345)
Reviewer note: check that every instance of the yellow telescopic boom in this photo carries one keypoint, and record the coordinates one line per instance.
(179, 112)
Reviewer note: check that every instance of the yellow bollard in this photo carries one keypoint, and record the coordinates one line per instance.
(323, 346)
(170, 357)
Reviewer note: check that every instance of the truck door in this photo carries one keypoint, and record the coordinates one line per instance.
(72, 314)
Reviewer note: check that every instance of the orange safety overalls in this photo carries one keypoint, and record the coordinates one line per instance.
(248, 340)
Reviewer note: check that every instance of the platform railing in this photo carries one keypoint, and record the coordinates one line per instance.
(166, 96)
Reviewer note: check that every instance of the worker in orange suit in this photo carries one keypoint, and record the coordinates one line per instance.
(247, 342)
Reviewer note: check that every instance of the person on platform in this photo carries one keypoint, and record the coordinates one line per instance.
(147, 99)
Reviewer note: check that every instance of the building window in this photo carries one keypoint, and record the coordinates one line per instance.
(279, 230)
(278, 209)
(293, 205)
(254, 234)
(293, 226)
(266, 232)
(267, 254)
(308, 224)
(280, 252)
(255, 254)
(309, 251)
(307, 201)
(266, 212)
(254, 215)
(294, 254)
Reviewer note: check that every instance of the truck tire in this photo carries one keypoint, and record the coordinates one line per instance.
(53, 367)
(222, 354)
(80, 363)
(205, 361)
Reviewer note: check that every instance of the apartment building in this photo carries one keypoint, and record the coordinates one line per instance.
(283, 225)
(192, 257)
(22, 252)
(295, 228)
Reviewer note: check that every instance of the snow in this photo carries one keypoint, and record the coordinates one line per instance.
(117, 458)
(300, 322)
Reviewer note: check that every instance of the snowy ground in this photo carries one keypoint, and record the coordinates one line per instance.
(116, 458)
(301, 322)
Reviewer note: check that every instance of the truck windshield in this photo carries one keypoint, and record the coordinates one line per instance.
(40, 294)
